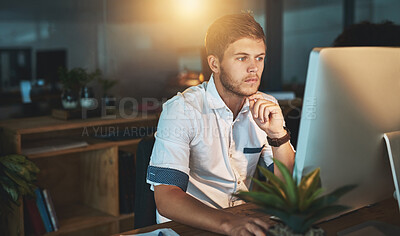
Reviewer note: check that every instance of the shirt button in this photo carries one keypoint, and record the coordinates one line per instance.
(239, 182)
(230, 155)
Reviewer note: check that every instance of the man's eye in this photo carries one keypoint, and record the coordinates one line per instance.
(242, 58)
(260, 58)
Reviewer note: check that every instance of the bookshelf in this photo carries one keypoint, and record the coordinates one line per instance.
(83, 181)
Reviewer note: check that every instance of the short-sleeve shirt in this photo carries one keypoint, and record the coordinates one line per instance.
(200, 148)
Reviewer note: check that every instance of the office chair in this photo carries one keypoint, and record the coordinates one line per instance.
(145, 206)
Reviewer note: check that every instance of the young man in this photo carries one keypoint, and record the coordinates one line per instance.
(211, 137)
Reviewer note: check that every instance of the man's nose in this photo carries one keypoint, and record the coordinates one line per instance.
(252, 67)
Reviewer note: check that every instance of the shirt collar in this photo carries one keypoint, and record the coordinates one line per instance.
(246, 106)
(214, 99)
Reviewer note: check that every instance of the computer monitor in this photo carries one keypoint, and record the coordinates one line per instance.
(352, 97)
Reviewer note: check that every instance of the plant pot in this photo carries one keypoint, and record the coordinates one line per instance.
(87, 98)
(283, 230)
(69, 99)
(109, 103)
(109, 100)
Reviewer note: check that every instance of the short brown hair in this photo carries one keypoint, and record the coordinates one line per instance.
(230, 28)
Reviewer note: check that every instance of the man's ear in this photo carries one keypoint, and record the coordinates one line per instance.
(213, 63)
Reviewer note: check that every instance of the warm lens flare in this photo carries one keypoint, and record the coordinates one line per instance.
(188, 8)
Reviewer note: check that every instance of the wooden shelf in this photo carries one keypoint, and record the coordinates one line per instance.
(76, 217)
(126, 216)
(48, 123)
(100, 144)
(72, 150)
(83, 181)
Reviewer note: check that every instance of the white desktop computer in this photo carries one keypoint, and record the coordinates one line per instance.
(352, 98)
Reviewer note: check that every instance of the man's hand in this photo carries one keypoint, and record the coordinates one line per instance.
(267, 115)
(242, 225)
(175, 204)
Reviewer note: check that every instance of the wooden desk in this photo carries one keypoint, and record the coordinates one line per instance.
(386, 211)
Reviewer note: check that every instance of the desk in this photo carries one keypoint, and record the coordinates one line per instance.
(386, 211)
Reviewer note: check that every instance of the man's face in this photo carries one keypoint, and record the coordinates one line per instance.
(242, 66)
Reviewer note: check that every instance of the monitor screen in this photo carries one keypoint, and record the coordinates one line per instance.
(352, 97)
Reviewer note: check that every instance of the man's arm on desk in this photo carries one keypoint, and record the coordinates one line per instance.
(173, 203)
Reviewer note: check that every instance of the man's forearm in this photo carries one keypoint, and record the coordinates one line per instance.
(286, 155)
(175, 204)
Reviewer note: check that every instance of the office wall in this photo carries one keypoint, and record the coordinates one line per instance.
(141, 43)
(317, 23)
(145, 43)
(303, 29)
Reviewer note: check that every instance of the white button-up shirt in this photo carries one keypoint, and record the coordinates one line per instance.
(200, 148)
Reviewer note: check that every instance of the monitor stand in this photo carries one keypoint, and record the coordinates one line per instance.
(392, 140)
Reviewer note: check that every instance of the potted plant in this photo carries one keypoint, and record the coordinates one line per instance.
(298, 206)
(17, 178)
(87, 99)
(71, 81)
(106, 85)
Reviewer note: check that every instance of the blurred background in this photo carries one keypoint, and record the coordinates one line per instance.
(155, 48)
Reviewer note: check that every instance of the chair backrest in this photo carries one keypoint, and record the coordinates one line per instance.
(145, 207)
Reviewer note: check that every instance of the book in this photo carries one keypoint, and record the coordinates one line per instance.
(52, 145)
(40, 203)
(34, 218)
(51, 210)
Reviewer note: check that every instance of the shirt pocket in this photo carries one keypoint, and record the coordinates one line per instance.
(252, 150)
(252, 155)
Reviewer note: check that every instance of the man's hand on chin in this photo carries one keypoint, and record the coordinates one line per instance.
(267, 115)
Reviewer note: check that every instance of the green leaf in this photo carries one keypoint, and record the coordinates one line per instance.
(290, 188)
(269, 188)
(18, 170)
(296, 222)
(297, 206)
(15, 178)
(6, 203)
(263, 199)
(339, 192)
(330, 198)
(17, 174)
(308, 186)
(310, 200)
(18, 163)
(12, 192)
(283, 215)
(10, 189)
(274, 180)
(264, 185)
(13, 158)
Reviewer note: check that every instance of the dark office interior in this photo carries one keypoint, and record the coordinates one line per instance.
(146, 51)
(148, 45)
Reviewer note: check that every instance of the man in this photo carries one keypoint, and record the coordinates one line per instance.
(210, 138)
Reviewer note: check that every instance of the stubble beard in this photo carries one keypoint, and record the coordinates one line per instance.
(234, 89)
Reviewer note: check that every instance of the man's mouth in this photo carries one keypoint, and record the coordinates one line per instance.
(251, 80)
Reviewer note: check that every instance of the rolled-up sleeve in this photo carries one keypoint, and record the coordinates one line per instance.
(169, 162)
